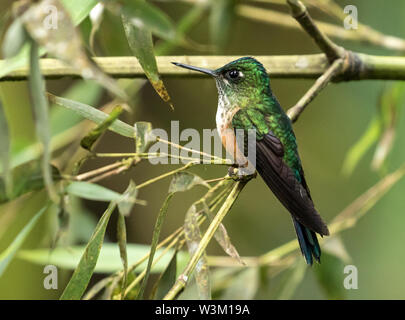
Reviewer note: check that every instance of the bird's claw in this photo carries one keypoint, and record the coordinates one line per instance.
(241, 173)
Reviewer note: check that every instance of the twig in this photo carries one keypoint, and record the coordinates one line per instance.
(190, 150)
(321, 82)
(300, 13)
(364, 34)
(165, 175)
(95, 172)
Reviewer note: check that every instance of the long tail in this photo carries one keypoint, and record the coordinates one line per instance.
(308, 242)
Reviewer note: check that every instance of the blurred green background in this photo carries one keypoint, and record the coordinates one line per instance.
(257, 223)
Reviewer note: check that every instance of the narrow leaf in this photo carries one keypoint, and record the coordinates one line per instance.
(193, 237)
(222, 237)
(41, 109)
(88, 141)
(109, 259)
(93, 114)
(190, 19)
(7, 255)
(82, 275)
(391, 103)
(91, 191)
(142, 136)
(14, 39)
(145, 15)
(128, 199)
(122, 244)
(358, 150)
(140, 41)
(155, 239)
(183, 181)
(166, 279)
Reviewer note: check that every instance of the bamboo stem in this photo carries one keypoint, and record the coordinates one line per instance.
(310, 66)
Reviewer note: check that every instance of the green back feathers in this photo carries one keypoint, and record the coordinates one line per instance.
(260, 109)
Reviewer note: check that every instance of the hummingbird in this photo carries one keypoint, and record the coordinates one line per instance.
(246, 102)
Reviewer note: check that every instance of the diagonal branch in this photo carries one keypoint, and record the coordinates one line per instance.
(300, 13)
(295, 111)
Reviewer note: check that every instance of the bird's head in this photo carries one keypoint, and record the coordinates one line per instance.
(238, 82)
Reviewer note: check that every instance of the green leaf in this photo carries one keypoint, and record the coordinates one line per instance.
(82, 274)
(193, 237)
(183, 25)
(91, 191)
(243, 286)
(26, 178)
(5, 153)
(14, 39)
(109, 259)
(166, 279)
(88, 141)
(155, 240)
(391, 104)
(358, 150)
(140, 41)
(122, 245)
(62, 119)
(93, 114)
(184, 181)
(145, 15)
(222, 237)
(128, 199)
(142, 136)
(7, 255)
(78, 10)
(61, 39)
(41, 109)
(381, 129)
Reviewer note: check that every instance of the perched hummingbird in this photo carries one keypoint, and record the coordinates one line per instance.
(245, 101)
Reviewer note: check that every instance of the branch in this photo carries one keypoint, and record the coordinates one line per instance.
(300, 13)
(321, 83)
(336, 56)
(363, 34)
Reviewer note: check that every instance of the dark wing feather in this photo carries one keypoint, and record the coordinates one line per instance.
(282, 181)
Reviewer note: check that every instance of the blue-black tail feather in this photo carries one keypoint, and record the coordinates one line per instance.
(308, 243)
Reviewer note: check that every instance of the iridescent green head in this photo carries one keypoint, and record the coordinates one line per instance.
(239, 82)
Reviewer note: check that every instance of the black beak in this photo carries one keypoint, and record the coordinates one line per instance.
(207, 71)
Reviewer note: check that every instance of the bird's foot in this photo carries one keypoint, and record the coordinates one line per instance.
(241, 173)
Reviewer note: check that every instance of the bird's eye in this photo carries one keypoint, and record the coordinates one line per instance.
(233, 74)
